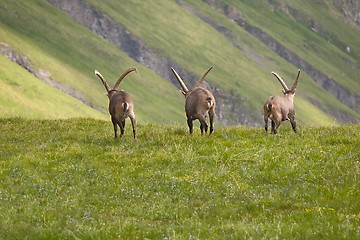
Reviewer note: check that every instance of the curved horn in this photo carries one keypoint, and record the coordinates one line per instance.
(181, 82)
(293, 88)
(106, 85)
(283, 84)
(197, 84)
(129, 70)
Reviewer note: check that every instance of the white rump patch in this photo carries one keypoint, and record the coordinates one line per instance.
(125, 106)
(210, 103)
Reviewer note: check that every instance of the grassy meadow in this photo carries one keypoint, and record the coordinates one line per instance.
(70, 179)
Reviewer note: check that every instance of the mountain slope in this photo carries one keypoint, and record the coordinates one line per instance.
(191, 36)
(27, 97)
(71, 53)
(135, 16)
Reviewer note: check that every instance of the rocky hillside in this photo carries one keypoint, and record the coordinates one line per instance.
(244, 41)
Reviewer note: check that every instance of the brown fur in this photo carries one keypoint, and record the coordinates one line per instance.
(281, 108)
(120, 104)
(199, 102)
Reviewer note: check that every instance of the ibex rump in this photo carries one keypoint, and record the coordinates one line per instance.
(120, 104)
(198, 103)
(281, 108)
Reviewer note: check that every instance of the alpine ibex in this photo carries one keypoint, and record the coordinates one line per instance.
(281, 108)
(198, 102)
(120, 104)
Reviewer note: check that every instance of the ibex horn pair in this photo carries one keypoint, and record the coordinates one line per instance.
(281, 108)
(198, 103)
(120, 104)
(283, 84)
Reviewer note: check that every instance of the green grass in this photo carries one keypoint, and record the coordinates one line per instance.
(322, 51)
(234, 70)
(70, 179)
(29, 97)
(54, 42)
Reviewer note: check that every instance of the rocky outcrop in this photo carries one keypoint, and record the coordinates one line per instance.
(329, 84)
(122, 38)
(101, 24)
(42, 74)
(326, 82)
(350, 9)
(231, 108)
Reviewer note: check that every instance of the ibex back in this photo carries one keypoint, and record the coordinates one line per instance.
(120, 104)
(281, 108)
(198, 103)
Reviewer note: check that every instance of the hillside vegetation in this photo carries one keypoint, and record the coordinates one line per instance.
(70, 179)
(71, 54)
(26, 96)
(70, 39)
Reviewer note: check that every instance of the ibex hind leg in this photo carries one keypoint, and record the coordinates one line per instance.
(274, 126)
(122, 127)
(115, 126)
(266, 124)
(190, 124)
(211, 118)
(293, 124)
(133, 123)
(203, 125)
(118, 123)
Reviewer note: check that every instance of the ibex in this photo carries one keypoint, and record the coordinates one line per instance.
(198, 103)
(120, 104)
(281, 108)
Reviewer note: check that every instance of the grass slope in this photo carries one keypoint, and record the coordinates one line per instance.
(195, 45)
(326, 51)
(29, 97)
(71, 53)
(52, 41)
(64, 179)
